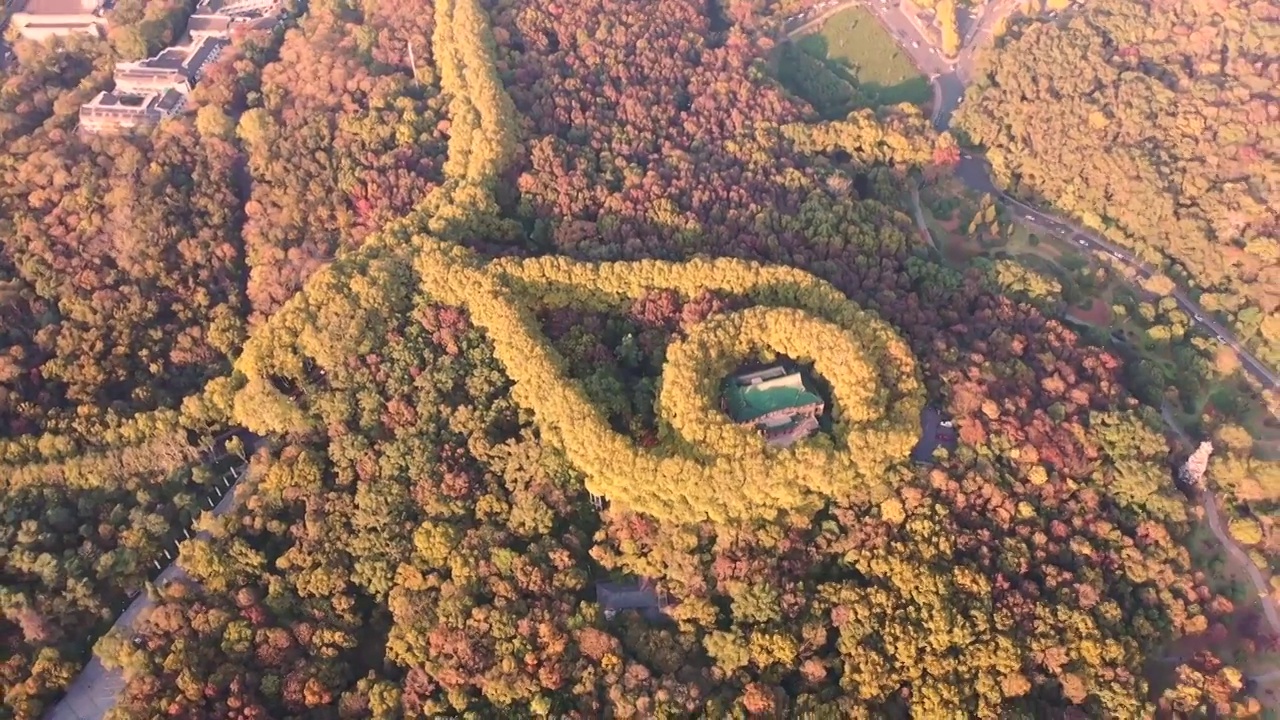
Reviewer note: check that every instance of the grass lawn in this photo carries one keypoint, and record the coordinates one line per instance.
(853, 44)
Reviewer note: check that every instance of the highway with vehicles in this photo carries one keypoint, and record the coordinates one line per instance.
(949, 78)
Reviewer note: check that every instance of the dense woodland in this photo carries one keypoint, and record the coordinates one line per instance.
(373, 276)
(1156, 122)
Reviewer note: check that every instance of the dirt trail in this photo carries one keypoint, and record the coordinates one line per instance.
(919, 215)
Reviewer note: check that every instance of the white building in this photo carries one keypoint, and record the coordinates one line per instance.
(40, 19)
(150, 90)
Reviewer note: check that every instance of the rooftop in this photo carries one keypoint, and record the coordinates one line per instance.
(755, 395)
(175, 66)
(171, 58)
(208, 24)
(108, 102)
(636, 595)
(56, 7)
(237, 7)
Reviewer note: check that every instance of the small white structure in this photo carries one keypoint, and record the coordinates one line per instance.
(1193, 469)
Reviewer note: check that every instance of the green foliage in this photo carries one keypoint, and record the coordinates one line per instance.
(1246, 531)
(142, 28)
(416, 538)
(856, 43)
(877, 399)
(1017, 279)
(900, 136)
(1189, 107)
(812, 80)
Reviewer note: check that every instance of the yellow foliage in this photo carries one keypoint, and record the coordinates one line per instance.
(713, 469)
(899, 136)
(708, 468)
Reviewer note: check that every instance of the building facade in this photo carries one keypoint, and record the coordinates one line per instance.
(41, 19)
(150, 90)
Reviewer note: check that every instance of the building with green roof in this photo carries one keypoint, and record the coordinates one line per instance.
(776, 401)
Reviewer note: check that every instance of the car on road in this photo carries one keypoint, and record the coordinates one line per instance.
(1199, 318)
(915, 44)
(1116, 255)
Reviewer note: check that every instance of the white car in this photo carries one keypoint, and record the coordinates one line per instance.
(915, 44)
(1199, 318)
(946, 423)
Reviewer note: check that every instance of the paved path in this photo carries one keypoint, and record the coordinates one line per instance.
(1260, 583)
(95, 690)
(1210, 504)
(919, 214)
(973, 170)
(975, 173)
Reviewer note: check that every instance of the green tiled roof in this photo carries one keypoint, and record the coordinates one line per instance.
(748, 402)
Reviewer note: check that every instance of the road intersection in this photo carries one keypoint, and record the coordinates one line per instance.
(949, 79)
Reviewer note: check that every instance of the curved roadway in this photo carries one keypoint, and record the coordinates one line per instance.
(948, 78)
(94, 691)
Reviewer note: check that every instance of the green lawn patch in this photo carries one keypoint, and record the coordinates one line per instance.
(855, 47)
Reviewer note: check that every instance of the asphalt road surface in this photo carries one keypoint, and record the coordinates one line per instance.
(949, 80)
(1214, 517)
(95, 690)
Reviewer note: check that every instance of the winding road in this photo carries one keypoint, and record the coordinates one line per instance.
(949, 84)
(95, 689)
(1214, 518)
(949, 78)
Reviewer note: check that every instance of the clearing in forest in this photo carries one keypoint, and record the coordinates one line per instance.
(854, 44)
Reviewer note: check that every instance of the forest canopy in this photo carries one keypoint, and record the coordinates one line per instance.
(487, 265)
(1154, 123)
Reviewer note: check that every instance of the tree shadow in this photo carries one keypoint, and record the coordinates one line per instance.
(914, 90)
